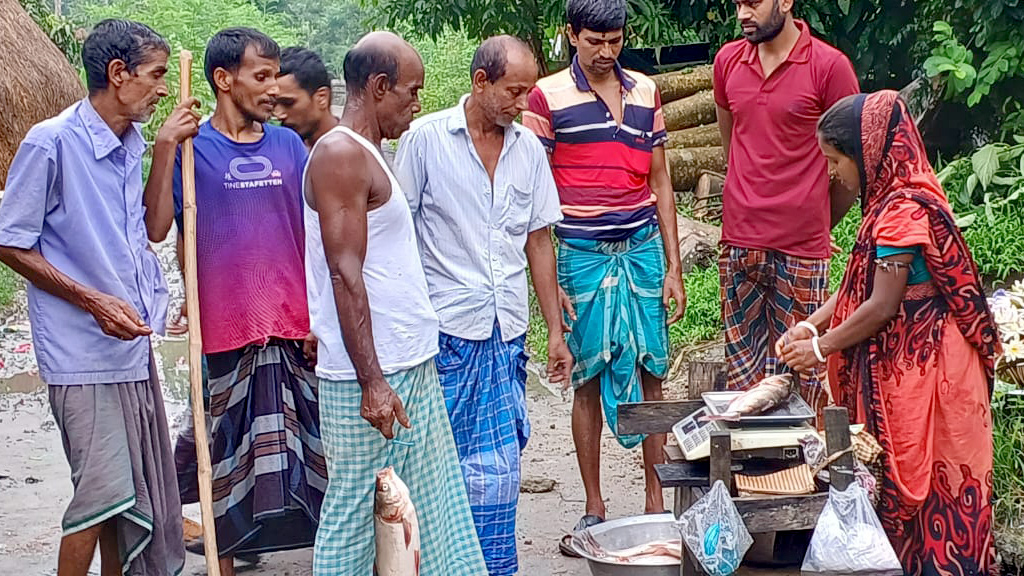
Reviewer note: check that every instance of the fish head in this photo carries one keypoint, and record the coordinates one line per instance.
(392, 495)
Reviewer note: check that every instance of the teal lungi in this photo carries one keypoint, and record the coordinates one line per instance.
(616, 289)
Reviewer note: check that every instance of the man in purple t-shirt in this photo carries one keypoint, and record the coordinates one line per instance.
(771, 87)
(252, 298)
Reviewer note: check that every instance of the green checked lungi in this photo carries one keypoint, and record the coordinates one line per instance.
(424, 457)
(616, 289)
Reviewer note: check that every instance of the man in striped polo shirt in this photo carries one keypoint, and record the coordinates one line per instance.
(618, 261)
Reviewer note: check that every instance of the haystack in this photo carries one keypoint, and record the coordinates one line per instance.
(36, 80)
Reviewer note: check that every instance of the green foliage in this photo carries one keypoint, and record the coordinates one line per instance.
(703, 318)
(951, 58)
(1008, 459)
(186, 24)
(329, 27)
(59, 29)
(446, 62)
(9, 283)
(981, 184)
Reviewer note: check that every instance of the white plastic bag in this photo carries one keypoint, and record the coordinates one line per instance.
(849, 539)
(714, 531)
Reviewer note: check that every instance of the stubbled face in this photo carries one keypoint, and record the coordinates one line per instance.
(597, 51)
(142, 89)
(504, 100)
(402, 102)
(760, 20)
(843, 171)
(296, 108)
(253, 87)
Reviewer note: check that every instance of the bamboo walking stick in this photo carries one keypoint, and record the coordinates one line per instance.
(195, 336)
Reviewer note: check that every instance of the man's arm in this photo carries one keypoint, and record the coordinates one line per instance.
(341, 181)
(540, 254)
(115, 316)
(661, 184)
(725, 127)
(158, 197)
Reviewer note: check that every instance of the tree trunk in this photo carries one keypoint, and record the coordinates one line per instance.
(686, 164)
(683, 83)
(691, 111)
(36, 81)
(707, 135)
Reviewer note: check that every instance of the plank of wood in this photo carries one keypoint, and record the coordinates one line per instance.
(654, 417)
(780, 513)
(837, 439)
(673, 453)
(680, 474)
(721, 458)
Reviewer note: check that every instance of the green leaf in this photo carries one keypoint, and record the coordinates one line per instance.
(985, 163)
(844, 6)
(966, 220)
(941, 26)
(1022, 156)
(1020, 140)
(972, 185)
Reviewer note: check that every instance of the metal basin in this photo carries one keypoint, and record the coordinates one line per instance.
(628, 532)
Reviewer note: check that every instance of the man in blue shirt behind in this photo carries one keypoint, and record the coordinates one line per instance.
(72, 223)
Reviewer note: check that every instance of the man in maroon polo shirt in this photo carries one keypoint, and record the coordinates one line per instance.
(771, 87)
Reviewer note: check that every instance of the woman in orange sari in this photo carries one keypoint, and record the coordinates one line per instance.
(908, 340)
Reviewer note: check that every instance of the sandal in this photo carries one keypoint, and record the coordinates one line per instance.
(565, 544)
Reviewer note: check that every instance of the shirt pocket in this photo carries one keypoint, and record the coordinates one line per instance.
(518, 209)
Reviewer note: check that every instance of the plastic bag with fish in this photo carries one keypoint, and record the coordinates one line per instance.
(714, 531)
(849, 539)
(397, 530)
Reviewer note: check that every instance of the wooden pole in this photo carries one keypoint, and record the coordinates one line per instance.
(195, 335)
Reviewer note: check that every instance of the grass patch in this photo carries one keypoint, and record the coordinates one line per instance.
(9, 284)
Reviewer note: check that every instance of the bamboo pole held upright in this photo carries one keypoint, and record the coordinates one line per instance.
(195, 336)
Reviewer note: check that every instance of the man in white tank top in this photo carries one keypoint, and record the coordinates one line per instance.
(377, 332)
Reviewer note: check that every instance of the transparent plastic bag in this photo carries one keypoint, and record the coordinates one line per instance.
(849, 540)
(714, 531)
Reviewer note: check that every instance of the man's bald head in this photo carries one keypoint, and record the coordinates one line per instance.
(377, 54)
(493, 55)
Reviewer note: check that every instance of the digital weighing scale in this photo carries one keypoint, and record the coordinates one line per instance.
(781, 427)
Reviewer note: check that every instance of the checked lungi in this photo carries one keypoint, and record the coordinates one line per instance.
(616, 290)
(764, 293)
(423, 456)
(484, 384)
(269, 473)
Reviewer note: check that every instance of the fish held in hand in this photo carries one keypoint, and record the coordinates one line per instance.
(762, 397)
(397, 530)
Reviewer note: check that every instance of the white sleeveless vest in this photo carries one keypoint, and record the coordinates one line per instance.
(405, 327)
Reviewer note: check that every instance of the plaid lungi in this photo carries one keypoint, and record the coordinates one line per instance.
(424, 457)
(616, 290)
(764, 293)
(484, 383)
(269, 472)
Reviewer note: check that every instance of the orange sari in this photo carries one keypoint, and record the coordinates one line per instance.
(922, 384)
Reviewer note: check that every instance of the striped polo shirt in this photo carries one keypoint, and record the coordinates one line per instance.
(601, 168)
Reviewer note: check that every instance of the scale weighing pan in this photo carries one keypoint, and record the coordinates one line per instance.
(794, 411)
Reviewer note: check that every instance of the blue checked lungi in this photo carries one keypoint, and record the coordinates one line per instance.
(616, 289)
(484, 383)
(424, 457)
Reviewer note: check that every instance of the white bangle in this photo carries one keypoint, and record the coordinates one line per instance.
(809, 326)
(817, 350)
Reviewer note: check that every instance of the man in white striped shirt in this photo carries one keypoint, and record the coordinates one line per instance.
(483, 199)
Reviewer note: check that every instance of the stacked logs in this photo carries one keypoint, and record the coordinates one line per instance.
(694, 142)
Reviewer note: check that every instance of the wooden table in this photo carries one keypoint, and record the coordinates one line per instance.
(690, 480)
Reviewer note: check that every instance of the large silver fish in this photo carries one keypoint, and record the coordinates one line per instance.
(397, 530)
(760, 398)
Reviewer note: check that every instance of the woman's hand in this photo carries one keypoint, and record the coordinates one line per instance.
(794, 334)
(799, 355)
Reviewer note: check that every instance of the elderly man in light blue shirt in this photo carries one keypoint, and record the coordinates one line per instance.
(72, 223)
(483, 199)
